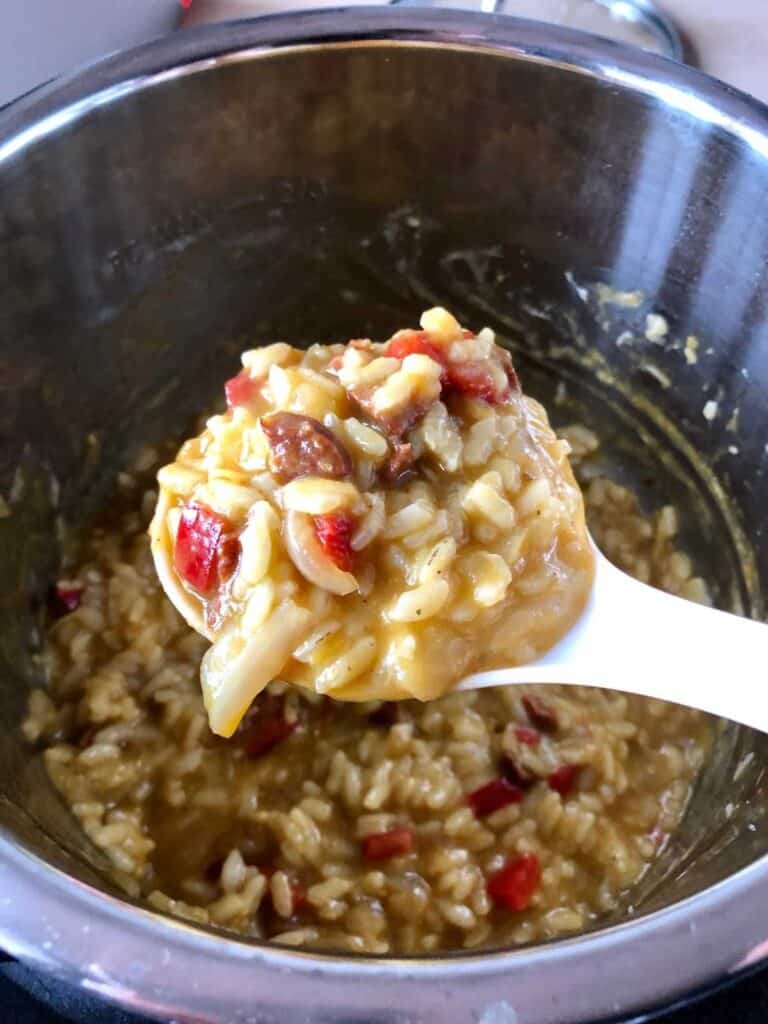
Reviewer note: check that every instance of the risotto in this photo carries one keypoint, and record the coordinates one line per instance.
(490, 818)
(363, 514)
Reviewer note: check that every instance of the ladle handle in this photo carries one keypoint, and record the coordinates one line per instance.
(635, 638)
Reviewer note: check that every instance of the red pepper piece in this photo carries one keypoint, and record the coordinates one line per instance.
(493, 796)
(383, 845)
(471, 377)
(266, 734)
(65, 599)
(299, 896)
(334, 531)
(298, 892)
(240, 390)
(541, 713)
(528, 737)
(196, 554)
(563, 779)
(513, 885)
(408, 343)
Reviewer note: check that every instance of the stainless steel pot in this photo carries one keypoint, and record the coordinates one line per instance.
(313, 175)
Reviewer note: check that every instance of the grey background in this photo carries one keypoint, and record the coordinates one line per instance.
(43, 38)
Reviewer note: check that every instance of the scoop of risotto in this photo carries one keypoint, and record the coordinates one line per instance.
(372, 521)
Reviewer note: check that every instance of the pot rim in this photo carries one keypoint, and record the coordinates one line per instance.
(694, 943)
(655, 957)
(75, 94)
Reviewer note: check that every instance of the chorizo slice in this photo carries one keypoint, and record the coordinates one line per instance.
(302, 446)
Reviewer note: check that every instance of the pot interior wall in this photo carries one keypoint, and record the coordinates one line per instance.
(324, 193)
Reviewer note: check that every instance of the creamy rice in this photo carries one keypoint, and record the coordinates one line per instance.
(362, 514)
(359, 827)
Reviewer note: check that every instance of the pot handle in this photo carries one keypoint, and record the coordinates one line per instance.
(645, 15)
(485, 6)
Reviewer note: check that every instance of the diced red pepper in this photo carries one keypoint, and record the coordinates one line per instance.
(471, 377)
(528, 737)
(541, 713)
(513, 885)
(563, 779)
(299, 896)
(196, 553)
(493, 796)
(241, 390)
(70, 597)
(383, 845)
(298, 892)
(266, 734)
(334, 531)
(65, 599)
(408, 343)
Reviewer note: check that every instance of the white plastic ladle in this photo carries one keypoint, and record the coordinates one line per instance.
(635, 638)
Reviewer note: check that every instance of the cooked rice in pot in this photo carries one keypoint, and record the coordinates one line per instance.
(367, 827)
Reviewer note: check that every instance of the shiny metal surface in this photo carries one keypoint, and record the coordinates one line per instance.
(313, 175)
(652, 28)
(652, 19)
(486, 6)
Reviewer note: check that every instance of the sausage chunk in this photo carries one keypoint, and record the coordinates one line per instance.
(302, 446)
